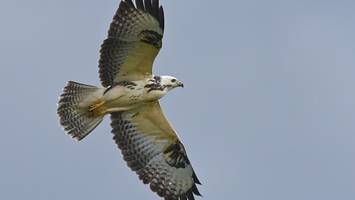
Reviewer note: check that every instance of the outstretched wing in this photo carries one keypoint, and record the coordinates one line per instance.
(134, 40)
(152, 149)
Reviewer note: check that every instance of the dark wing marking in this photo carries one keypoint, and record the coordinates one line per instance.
(134, 40)
(151, 148)
(140, 4)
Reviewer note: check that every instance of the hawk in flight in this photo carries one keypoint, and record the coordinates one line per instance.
(130, 94)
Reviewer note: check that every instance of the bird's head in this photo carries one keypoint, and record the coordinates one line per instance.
(162, 84)
(170, 82)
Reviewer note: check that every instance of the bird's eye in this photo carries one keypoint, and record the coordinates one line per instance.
(173, 80)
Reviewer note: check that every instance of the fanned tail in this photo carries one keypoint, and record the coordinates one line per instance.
(76, 109)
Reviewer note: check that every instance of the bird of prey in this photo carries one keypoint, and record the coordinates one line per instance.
(130, 94)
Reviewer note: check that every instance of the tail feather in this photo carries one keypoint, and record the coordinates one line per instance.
(73, 109)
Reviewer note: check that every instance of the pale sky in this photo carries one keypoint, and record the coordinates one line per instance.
(267, 112)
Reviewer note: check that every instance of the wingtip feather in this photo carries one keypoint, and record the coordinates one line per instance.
(148, 6)
(140, 5)
(130, 3)
(161, 17)
(155, 9)
(194, 176)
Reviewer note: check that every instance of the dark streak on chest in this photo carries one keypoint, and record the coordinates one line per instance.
(128, 84)
(155, 84)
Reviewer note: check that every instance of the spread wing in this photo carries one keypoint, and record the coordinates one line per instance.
(134, 40)
(152, 149)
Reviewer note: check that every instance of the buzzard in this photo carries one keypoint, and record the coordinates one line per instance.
(130, 94)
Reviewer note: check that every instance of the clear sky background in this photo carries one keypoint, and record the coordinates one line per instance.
(267, 112)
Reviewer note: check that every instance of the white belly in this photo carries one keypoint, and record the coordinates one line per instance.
(121, 98)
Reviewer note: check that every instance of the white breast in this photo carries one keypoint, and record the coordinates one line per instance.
(126, 97)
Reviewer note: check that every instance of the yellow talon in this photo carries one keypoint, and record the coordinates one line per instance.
(95, 106)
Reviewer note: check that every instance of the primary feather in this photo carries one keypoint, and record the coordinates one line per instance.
(134, 40)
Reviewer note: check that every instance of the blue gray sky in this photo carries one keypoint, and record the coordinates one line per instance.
(267, 112)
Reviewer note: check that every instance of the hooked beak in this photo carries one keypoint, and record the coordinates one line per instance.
(180, 84)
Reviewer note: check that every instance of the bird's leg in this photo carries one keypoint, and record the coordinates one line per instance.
(96, 105)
